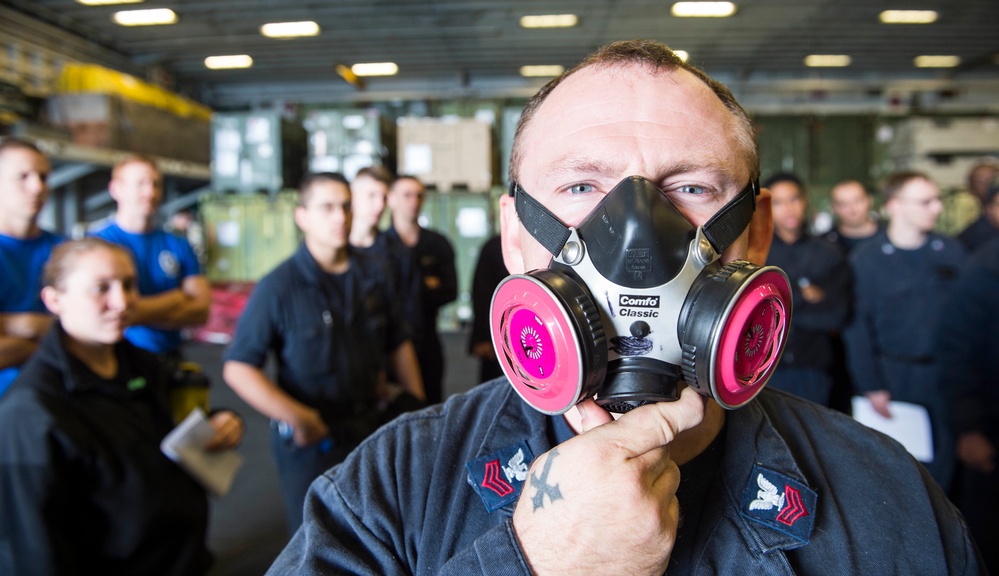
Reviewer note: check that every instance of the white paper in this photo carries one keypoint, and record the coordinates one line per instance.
(185, 445)
(909, 424)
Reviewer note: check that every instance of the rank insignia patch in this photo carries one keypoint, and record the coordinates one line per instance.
(499, 477)
(780, 502)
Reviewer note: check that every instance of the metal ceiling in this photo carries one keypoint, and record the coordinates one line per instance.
(474, 48)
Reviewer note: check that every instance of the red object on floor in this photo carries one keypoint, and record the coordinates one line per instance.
(228, 301)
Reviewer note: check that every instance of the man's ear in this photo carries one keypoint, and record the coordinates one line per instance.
(113, 189)
(299, 215)
(50, 297)
(510, 233)
(761, 230)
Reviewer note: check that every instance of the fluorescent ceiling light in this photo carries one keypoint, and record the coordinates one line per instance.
(549, 21)
(289, 29)
(106, 2)
(703, 9)
(375, 69)
(152, 17)
(547, 70)
(936, 61)
(230, 61)
(827, 60)
(682, 54)
(908, 17)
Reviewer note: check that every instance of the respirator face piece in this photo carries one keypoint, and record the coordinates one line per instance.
(635, 300)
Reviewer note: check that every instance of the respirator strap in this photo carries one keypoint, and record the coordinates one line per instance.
(544, 226)
(727, 225)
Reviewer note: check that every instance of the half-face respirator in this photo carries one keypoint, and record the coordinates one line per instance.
(635, 300)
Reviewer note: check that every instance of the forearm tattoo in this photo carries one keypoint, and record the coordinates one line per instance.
(542, 486)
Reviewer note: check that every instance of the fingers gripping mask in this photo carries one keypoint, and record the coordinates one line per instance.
(634, 301)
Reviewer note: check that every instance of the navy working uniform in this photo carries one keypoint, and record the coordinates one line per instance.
(330, 334)
(846, 243)
(22, 261)
(969, 351)
(805, 367)
(162, 261)
(892, 340)
(489, 272)
(433, 493)
(433, 256)
(401, 265)
(85, 488)
(978, 233)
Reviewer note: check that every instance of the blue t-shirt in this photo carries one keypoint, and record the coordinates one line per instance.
(21, 262)
(162, 261)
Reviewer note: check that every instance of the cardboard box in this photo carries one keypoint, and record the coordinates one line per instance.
(110, 121)
(447, 154)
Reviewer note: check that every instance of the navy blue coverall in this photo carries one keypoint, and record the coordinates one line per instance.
(433, 492)
(891, 341)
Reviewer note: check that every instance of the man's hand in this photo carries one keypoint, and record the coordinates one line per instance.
(812, 293)
(976, 452)
(309, 428)
(879, 401)
(605, 501)
(25, 325)
(228, 431)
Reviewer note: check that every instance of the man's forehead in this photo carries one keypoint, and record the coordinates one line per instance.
(690, 125)
(619, 80)
(22, 157)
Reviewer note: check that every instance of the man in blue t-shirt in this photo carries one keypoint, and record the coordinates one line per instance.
(24, 249)
(174, 293)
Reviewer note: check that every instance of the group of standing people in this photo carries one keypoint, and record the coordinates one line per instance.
(906, 311)
(354, 309)
(87, 327)
(90, 347)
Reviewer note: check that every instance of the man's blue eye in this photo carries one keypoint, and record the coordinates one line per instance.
(691, 189)
(581, 188)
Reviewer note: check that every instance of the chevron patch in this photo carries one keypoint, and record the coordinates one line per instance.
(780, 502)
(498, 478)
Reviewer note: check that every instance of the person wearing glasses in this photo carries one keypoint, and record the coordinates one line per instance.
(902, 277)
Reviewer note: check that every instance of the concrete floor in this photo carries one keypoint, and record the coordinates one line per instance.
(247, 529)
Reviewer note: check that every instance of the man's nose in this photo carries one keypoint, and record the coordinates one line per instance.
(37, 183)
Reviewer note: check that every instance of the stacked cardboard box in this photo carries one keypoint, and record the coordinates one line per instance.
(447, 153)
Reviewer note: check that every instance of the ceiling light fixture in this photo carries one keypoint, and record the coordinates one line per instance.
(549, 21)
(375, 69)
(682, 54)
(827, 60)
(106, 2)
(227, 62)
(936, 61)
(703, 9)
(543, 70)
(153, 17)
(289, 29)
(908, 17)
